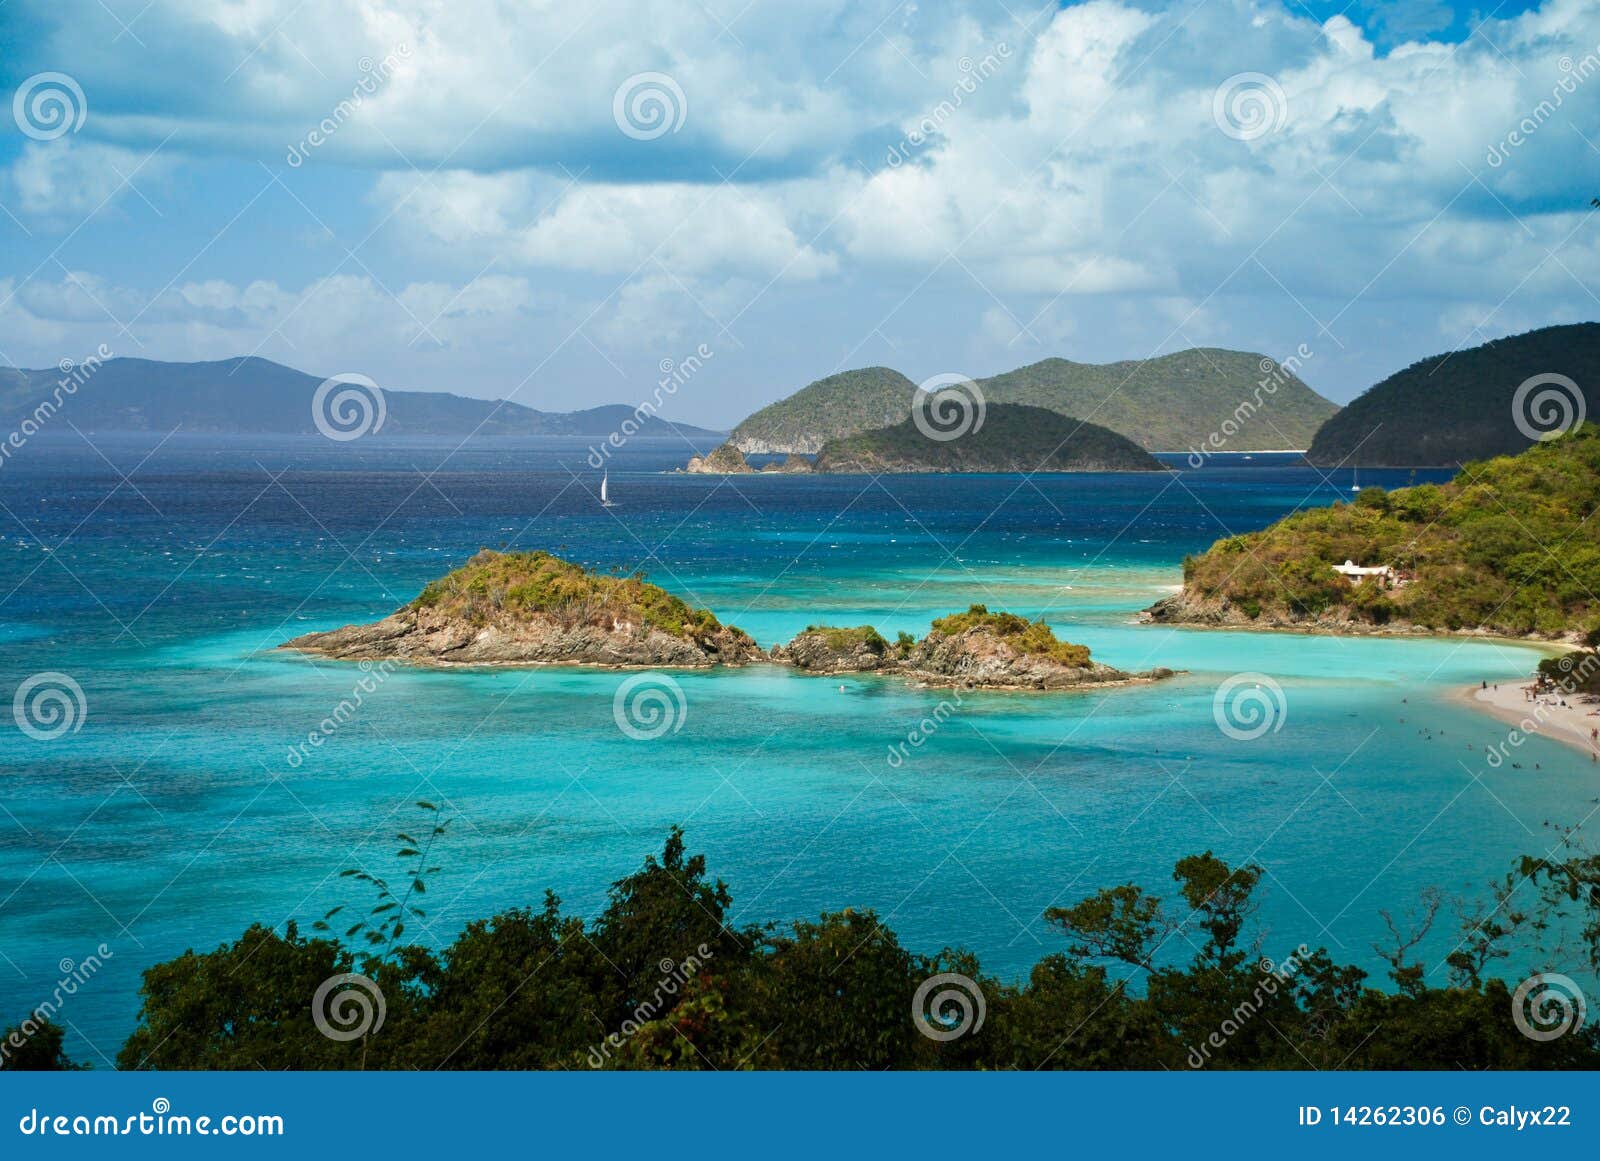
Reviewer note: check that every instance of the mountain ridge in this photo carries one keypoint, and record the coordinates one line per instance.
(1173, 402)
(252, 395)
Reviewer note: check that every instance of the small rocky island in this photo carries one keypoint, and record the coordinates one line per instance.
(975, 649)
(722, 460)
(532, 608)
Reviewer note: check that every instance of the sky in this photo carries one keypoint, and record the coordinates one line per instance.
(560, 202)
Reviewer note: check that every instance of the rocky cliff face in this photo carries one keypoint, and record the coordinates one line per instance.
(424, 636)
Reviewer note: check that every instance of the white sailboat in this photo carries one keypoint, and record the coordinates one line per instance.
(605, 491)
(1356, 486)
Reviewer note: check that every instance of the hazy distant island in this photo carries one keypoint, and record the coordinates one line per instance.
(1506, 548)
(257, 396)
(1170, 403)
(1465, 405)
(532, 608)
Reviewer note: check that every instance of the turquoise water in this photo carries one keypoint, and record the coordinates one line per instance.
(175, 815)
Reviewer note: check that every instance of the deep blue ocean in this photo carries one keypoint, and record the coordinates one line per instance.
(160, 577)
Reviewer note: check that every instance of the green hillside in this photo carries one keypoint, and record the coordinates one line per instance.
(1458, 406)
(1176, 402)
(1172, 403)
(1013, 438)
(839, 405)
(1507, 546)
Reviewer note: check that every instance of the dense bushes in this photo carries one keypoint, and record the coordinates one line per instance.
(661, 979)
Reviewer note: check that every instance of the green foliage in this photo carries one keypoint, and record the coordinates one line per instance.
(386, 921)
(35, 1045)
(848, 640)
(660, 980)
(1507, 546)
(494, 584)
(1013, 438)
(1021, 634)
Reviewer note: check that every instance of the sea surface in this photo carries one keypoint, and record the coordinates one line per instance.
(184, 802)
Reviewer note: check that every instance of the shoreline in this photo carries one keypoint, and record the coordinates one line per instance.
(1569, 724)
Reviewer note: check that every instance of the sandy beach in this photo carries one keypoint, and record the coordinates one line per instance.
(1570, 724)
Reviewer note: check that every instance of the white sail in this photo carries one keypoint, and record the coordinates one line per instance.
(605, 497)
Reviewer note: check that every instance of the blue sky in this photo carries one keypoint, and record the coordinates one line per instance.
(942, 188)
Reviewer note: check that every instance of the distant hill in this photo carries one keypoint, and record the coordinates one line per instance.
(1013, 438)
(839, 405)
(258, 396)
(1456, 407)
(1172, 403)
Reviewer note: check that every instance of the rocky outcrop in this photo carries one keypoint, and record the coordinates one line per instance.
(722, 460)
(536, 609)
(425, 637)
(826, 650)
(983, 655)
(789, 465)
